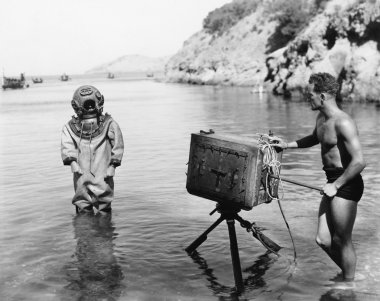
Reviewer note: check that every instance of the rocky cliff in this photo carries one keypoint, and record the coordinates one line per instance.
(340, 37)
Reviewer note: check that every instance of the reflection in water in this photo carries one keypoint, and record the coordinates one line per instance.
(337, 294)
(341, 295)
(254, 280)
(257, 271)
(95, 273)
(214, 285)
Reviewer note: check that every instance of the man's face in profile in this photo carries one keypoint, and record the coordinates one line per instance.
(314, 98)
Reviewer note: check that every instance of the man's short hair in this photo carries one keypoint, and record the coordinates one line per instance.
(324, 83)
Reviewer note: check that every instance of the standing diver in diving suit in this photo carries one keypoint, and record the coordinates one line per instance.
(92, 144)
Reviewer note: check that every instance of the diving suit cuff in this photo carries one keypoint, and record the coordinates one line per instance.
(68, 160)
(115, 163)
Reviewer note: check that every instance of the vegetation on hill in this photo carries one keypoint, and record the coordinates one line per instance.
(222, 19)
(358, 24)
(292, 17)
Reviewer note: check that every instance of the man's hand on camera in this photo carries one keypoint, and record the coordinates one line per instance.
(279, 142)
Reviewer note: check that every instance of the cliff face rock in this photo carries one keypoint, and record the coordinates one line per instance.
(234, 58)
(342, 38)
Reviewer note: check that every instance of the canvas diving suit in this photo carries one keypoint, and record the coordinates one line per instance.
(95, 143)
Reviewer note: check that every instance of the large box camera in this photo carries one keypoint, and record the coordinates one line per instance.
(228, 169)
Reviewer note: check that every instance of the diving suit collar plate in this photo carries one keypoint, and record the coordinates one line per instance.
(89, 128)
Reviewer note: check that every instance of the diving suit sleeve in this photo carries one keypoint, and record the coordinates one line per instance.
(116, 138)
(69, 152)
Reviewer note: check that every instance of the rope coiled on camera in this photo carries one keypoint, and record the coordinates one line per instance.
(272, 166)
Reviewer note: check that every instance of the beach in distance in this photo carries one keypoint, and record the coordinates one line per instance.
(138, 252)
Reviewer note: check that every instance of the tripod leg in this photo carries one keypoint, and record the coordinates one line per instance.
(202, 238)
(235, 255)
(265, 241)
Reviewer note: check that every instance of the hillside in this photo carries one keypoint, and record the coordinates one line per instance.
(132, 63)
(279, 43)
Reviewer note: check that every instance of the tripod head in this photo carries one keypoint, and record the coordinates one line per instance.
(225, 208)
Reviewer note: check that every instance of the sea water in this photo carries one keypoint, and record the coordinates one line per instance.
(47, 252)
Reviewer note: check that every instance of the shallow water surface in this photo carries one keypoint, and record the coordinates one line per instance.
(137, 253)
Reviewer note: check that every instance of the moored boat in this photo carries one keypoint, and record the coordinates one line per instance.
(14, 83)
(37, 80)
(64, 77)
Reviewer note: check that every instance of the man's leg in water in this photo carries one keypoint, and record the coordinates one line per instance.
(325, 229)
(343, 215)
(335, 224)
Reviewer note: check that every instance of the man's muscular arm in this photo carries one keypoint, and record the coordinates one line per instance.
(307, 141)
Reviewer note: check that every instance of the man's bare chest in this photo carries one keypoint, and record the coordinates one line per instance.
(326, 133)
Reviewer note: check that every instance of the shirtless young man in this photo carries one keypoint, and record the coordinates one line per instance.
(343, 162)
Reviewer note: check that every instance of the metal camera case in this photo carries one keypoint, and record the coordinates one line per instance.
(228, 169)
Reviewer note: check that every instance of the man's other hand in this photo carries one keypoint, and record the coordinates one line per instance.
(330, 190)
(110, 172)
(75, 168)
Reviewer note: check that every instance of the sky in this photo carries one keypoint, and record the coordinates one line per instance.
(46, 37)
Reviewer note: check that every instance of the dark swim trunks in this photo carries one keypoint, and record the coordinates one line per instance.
(353, 190)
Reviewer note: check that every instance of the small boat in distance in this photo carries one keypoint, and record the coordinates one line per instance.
(150, 74)
(14, 83)
(64, 77)
(37, 80)
(110, 75)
